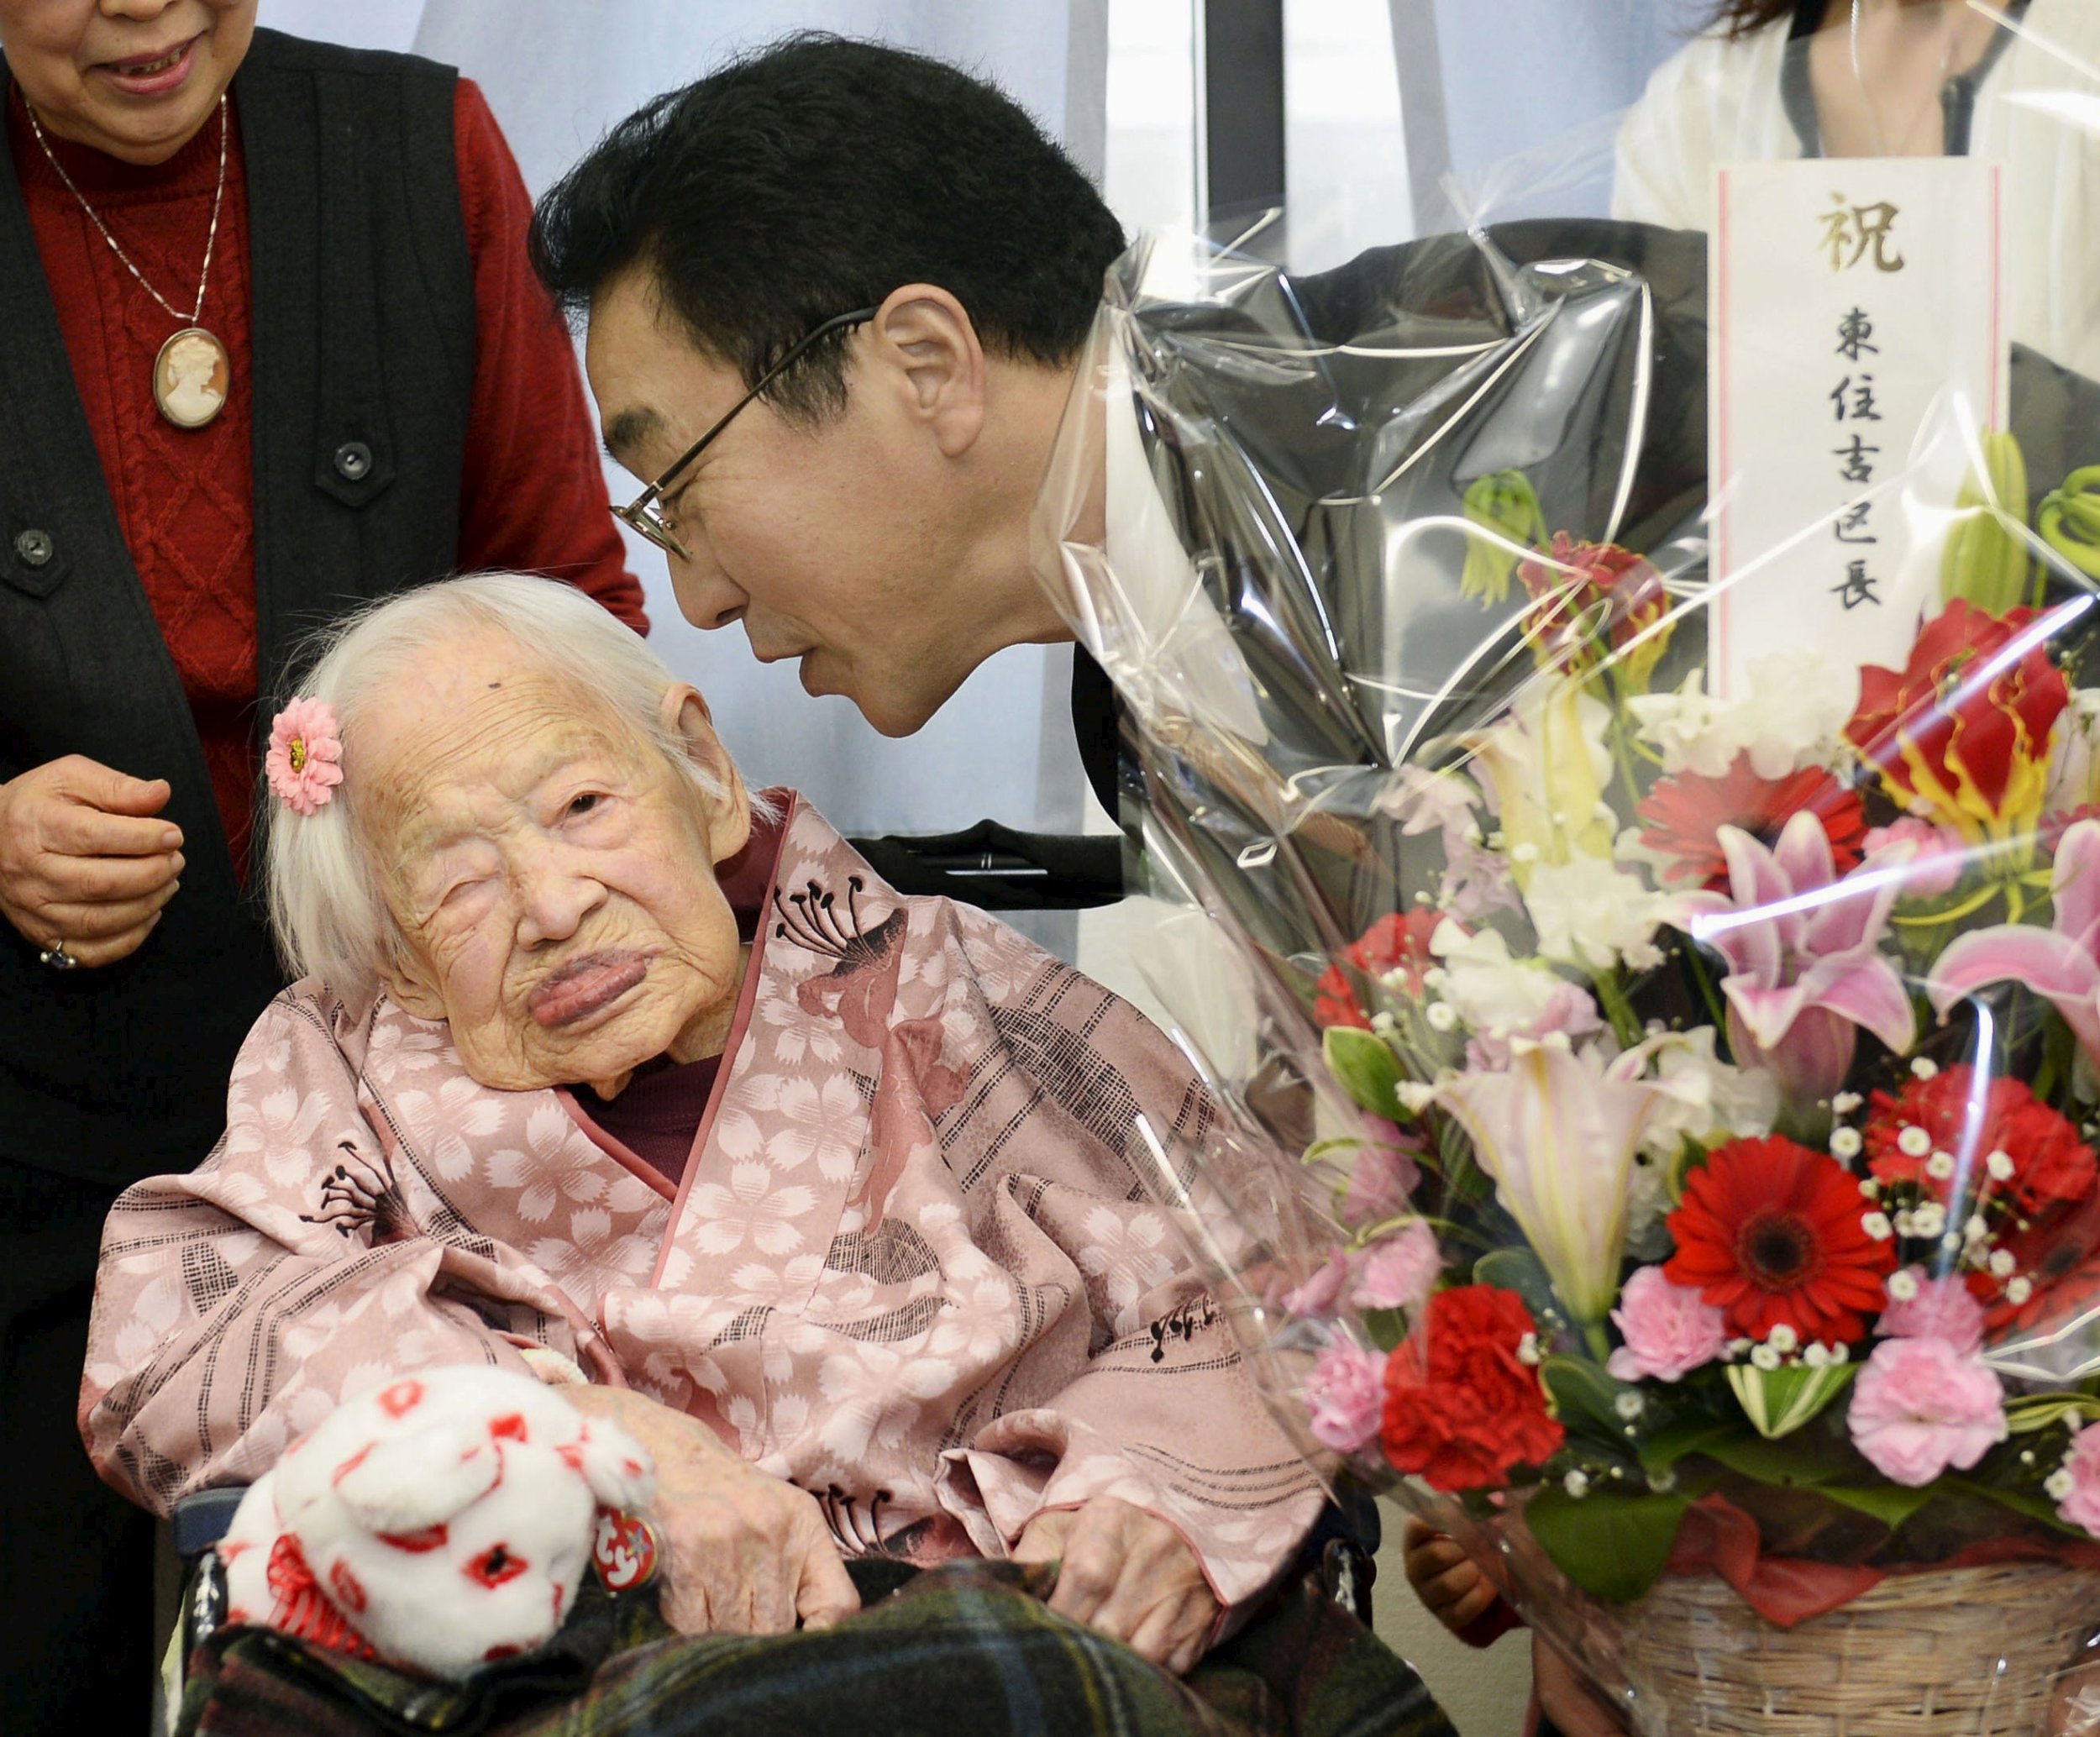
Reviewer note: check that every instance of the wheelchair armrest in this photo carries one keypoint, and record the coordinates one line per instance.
(199, 1521)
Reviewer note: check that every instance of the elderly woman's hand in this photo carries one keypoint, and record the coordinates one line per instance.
(83, 860)
(1128, 1574)
(746, 1552)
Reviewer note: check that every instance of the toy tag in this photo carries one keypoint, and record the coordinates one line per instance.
(624, 1548)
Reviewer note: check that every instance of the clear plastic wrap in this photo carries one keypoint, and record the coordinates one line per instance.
(1659, 1135)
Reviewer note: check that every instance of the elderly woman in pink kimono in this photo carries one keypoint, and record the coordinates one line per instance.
(603, 1070)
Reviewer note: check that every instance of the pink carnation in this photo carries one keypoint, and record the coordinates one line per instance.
(1347, 1393)
(304, 762)
(1938, 854)
(1669, 1328)
(1920, 1406)
(1399, 1271)
(1384, 1175)
(1323, 1290)
(1943, 1309)
(2080, 1505)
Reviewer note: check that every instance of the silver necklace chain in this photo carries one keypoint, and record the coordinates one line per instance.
(211, 240)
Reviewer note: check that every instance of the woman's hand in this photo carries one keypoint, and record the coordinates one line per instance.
(1127, 1574)
(745, 1552)
(83, 859)
(1447, 1581)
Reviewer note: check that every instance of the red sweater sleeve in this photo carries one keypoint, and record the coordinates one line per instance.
(534, 496)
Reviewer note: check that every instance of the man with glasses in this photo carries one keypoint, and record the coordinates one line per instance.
(739, 269)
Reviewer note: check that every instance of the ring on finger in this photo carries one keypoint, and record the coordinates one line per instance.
(55, 957)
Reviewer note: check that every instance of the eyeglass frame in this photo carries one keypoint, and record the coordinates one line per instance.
(652, 524)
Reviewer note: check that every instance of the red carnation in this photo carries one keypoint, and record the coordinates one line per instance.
(2051, 1166)
(1463, 1407)
(1963, 729)
(1685, 814)
(1393, 943)
(1770, 1231)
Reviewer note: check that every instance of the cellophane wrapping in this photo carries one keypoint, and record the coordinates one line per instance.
(1658, 1133)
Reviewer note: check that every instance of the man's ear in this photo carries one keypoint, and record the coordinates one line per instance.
(685, 714)
(927, 343)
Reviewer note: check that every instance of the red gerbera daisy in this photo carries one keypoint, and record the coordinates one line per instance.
(1685, 814)
(1399, 942)
(2050, 1167)
(1771, 1232)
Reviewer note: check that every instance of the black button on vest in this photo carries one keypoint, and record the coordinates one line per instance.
(363, 320)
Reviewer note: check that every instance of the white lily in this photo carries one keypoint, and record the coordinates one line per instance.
(1557, 1131)
(1546, 767)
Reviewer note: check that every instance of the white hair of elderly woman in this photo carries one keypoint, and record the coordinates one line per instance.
(326, 907)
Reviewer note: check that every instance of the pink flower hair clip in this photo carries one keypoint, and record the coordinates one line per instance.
(305, 760)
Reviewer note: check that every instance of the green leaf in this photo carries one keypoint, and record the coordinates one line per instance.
(1614, 1546)
(1368, 1070)
(1891, 1503)
(2033, 1505)
(1385, 1328)
(1583, 1394)
(1661, 1450)
(1787, 1465)
(2038, 1411)
(1777, 1402)
(1519, 1270)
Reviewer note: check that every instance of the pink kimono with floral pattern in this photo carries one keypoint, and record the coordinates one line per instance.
(909, 1266)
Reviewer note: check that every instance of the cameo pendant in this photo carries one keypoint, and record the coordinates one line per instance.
(191, 378)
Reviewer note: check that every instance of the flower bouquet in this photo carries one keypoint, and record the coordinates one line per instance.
(1663, 1128)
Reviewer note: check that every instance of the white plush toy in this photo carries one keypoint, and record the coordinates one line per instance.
(443, 1521)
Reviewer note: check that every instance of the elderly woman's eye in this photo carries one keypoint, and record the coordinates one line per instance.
(583, 803)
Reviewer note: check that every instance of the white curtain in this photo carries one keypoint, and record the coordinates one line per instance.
(557, 73)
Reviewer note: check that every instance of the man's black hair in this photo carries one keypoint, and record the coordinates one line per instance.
(814, 177)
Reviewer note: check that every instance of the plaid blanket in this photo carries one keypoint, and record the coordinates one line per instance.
(967, 1650)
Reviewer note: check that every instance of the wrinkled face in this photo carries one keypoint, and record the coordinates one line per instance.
(836, 543)
(134, 78)
(552, 875)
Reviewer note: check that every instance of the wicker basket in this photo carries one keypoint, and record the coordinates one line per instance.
(1971, 1652)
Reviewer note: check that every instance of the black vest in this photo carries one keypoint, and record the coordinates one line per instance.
(363, 326)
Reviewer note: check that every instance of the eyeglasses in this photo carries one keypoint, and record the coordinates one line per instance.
(643, 513)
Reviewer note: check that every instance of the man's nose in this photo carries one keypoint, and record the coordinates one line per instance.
(706, 596)
(556, 895)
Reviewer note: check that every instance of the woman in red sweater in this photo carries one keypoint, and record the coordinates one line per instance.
(272, 345)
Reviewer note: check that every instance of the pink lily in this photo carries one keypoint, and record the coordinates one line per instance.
(2057, 961)
(1802, 946)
